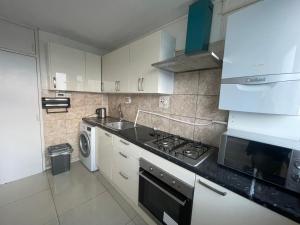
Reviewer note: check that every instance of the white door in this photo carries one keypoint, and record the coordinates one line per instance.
(92, 72)
(20, 150)
(104, 152)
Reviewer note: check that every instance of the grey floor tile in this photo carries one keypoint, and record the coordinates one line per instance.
(77, 193)
(129, 210)
(131, 223)
(103, 210)
(37, 209)
(139, 221)
(64, 181)
(16, 190)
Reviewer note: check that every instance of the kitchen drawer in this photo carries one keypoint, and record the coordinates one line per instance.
(127, 147)
(127, 163)
(126, 180)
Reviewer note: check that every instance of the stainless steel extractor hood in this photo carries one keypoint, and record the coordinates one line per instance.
(185, 63)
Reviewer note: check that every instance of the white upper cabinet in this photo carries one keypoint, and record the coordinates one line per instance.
(17, 38)
(129, 69)
(116, 70)
(73, 70)
(92, 72)
(66, 67)
(263, 39)
(214, 204)
(144, 77)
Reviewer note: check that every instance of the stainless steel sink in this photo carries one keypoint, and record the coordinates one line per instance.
(120, 125)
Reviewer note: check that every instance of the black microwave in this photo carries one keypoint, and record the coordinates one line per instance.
(271, 163)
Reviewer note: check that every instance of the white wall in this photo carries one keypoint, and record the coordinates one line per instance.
(45, 37)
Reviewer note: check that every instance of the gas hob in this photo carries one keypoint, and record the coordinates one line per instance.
(187, 151)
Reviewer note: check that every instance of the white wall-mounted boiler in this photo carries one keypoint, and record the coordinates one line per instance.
(261, 66)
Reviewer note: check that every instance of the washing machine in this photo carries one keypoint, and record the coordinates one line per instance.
(87, 146)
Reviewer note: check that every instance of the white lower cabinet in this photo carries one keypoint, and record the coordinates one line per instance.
(214, 205)
(126, 168)
(104, 153)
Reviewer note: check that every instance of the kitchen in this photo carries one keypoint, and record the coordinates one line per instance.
(188, 115)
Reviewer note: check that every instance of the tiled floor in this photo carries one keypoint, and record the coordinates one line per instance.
(77, 197)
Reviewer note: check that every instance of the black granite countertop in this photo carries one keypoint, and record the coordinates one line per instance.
(282, 201)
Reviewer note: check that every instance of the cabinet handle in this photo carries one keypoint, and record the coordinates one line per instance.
(102, 86)
(54, 82)
(119, 82)
(212, 188)
(116, 85)
(124, 176)
(125, 156)
(139, 84)
(142, 82)
(123, 142)
(108, 135)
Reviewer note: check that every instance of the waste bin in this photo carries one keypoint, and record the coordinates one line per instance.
(60, 157)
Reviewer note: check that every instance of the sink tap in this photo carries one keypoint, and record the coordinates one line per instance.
(120, 112)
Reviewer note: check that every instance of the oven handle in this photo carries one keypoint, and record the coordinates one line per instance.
(163, 190)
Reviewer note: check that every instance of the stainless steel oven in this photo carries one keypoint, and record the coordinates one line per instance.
(163, 197)
(271, 163)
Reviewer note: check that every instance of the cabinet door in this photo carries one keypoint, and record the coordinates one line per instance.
(116, 70)
(92, 72)
(211, 208)
(126, 168)
(252, 34)
(66, 68)
(104, 152)
(143, 53)
(17, 38)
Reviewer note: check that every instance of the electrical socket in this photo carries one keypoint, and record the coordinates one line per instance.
(164, 102)
(127, 100)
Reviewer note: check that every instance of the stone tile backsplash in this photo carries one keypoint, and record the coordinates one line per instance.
(64, 127)
(195, 99)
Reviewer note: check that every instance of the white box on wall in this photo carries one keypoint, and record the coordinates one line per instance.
(281, 126)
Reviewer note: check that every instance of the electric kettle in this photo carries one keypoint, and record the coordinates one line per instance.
(101, 113)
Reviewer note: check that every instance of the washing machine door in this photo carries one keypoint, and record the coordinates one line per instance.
(84, 144)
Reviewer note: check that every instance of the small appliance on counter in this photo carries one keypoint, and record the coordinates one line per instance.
(267, 158)
(101, 113)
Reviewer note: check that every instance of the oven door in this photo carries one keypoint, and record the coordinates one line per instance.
(161, 202)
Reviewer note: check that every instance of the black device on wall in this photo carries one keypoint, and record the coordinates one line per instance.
(56, 103)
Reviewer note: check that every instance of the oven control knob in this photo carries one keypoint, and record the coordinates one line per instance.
(161, 174)
(296, 178)
(173, 182)
(151, 168)
(297, 164)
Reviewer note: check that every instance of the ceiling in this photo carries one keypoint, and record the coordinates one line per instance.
(105, 24)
